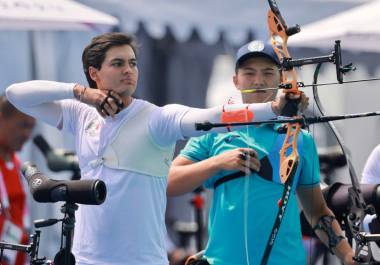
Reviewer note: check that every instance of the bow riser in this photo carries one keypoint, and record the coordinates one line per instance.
(289, 162)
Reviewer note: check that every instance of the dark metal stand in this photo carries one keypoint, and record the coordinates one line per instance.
(363, 248)
(31, 249)
(64, 256)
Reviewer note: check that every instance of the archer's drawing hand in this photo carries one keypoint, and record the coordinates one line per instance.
(243, 159)
(106, 102)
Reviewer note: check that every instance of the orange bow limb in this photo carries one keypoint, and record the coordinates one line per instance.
(279, 38)
(289, 163)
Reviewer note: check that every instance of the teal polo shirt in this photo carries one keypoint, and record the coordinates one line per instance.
(243, 210)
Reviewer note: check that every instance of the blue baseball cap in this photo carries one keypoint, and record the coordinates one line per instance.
(255, 48)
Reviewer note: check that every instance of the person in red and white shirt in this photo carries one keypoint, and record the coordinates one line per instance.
(16, 128)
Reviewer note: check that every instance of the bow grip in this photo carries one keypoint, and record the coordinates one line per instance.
(291, 107)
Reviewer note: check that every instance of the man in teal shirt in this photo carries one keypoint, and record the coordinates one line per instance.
(244, 208)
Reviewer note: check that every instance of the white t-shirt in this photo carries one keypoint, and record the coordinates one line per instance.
(371, 172)
(129, 227)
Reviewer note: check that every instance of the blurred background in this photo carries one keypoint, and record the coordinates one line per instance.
(186, 56)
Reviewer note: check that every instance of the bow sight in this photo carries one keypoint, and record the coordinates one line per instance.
(335, 57)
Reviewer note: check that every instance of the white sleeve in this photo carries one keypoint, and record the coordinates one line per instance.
(174, 122)
(261, 112)
(371, 172)
(165, 124)
(41, 99)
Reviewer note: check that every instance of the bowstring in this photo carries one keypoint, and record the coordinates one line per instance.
(246, 189)
(246, 199)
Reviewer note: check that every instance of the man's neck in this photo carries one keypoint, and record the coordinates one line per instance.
(127, 101)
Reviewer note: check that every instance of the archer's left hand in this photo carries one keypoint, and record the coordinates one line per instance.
(304, 102)
(280, 103)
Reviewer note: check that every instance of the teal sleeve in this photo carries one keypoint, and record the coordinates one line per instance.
(310, 163)
(197, 148)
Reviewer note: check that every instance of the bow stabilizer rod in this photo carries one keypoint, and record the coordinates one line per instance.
(206, 126)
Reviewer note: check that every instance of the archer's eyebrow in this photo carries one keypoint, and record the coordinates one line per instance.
(122, 60)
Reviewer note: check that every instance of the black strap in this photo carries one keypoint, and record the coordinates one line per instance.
(266, 172)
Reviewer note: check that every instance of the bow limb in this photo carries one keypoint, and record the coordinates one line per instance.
(358, 207)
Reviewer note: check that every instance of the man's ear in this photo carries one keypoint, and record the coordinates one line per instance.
(235, 79)
(93, 72)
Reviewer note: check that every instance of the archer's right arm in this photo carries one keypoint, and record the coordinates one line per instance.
(43, 99)
(185, 175)
(40, 99)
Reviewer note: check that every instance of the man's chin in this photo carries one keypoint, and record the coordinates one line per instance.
(128, 92)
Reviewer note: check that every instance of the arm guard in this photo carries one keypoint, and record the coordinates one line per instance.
(325, 224)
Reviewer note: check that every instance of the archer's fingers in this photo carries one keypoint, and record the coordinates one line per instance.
(244, 169)
(109, 109)
(251, 163)
(116, 97)
(248, 150)
(116, 101)
(109, 106)
(304, 103)
(113, 105)
(101, 112)
(249, 160)
(293, 96)
(255, 164)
